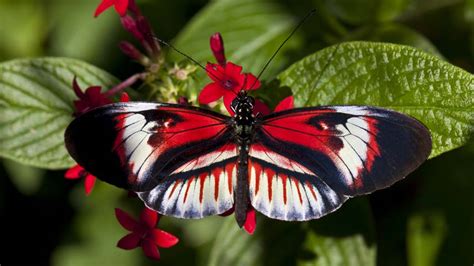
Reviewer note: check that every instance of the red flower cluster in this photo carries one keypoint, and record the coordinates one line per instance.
(228, 79)
(144, 234)
(137, 25)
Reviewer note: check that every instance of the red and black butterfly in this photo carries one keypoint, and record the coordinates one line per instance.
(293, 165)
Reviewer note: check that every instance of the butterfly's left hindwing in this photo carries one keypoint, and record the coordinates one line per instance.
(202, 186)
(306, 162)
(136, 145)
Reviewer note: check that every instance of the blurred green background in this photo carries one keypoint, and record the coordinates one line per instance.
(425, 220)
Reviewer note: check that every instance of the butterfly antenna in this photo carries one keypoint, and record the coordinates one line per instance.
(281, 45)
(185, 55)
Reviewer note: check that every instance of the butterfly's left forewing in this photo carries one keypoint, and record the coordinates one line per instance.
(306, 162)
(134, 145)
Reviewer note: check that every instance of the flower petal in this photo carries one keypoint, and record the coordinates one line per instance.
(251, 83)
(217, 47)
(150, 250)
(124, 97)
(261, 108)
(211, 93)
(215, 72)
(164, 239)
(149, 217)
(251, 221)
(125, 219)
(89, 183)
(121, 7)
(228, 98)
(129, 241)
(285, 104)
(76, 88)
(232, 70)
(75, 172)
(105, 4)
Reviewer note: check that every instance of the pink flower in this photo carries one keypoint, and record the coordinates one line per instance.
(144, 234)
(77, 172)
(120, 6)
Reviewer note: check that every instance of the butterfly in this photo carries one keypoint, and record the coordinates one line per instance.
(293, 165)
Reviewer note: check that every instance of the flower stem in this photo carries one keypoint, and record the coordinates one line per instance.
(126, 83)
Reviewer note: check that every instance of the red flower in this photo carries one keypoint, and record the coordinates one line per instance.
(90, 99)
(217, 47)
(77, 172)
(120, 6)
(227, 82)
(285, 104)
(144, 234)
(251, 221)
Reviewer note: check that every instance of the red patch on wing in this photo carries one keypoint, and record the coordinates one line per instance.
(228, 168)
(283, 180)
(202, 178)
(296, 182)
(373, 149)
(118, 147)
(301, 129)
(176, 183)
(187, 189)
(270, 174)
(217, 174)
(310, 186)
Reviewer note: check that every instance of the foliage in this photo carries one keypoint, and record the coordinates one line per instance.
(340, 56)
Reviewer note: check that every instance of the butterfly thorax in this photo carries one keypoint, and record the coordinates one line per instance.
(243, 118)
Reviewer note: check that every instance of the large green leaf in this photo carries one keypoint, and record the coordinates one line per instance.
(36, 106)
(332, 241)
(23, 28)
(252, 31)
(269, 245)
(367, 11)
(425, 234)
(394, 33)
(391, 76)
(326, 241)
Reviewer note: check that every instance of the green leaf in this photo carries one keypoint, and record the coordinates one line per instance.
(394, 33)
(396, 77)
(332, 241)
(252, 30)
(27, 179)
(23, 28)
(36, 107)
(367, 11)
(233, 246)
(269, 245)
(93, 40)
(326, 241)
(424, 238)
